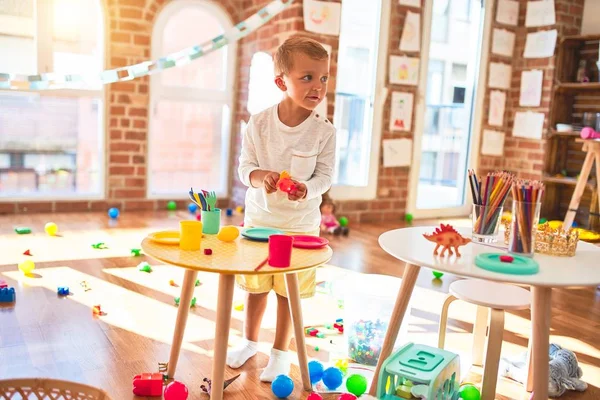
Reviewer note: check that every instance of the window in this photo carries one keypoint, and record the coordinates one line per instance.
(439, 22)
(358, 57)
(262, 91)
(51, 142)
(191, 105)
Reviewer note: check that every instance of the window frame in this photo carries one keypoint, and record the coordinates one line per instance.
(225, 97)
(350, 192)
(43, 14)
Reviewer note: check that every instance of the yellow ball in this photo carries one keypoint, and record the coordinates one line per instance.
(27, 267)
(228, 233)
(51, 228)
(239, 209)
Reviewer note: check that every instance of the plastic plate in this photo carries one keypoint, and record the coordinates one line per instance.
(309, 242)
(260, 234)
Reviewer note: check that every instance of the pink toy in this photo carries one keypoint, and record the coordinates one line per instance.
(589, 133)
(148, 384)
(176, 391)
(347, 396)
(3, 283)
(314, 396)
(280, 250)
(207, 252)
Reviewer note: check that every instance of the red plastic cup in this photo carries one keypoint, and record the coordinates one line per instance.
(280, 250)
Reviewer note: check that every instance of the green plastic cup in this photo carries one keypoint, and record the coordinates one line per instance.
(211, 221)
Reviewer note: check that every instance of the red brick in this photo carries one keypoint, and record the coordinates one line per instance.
(121, 170)
(118, 37)
(140, 205)
(139, 112)
(139, 123)
(137, 159)
(135, 3)
(130, 13)
(132, 135)
(117, 110)
(132, 26)
(135, 182)
(73, 206)
(124, 99)
(8, 208)
(530, 145)
(118, 61)
(125, 122)
(124, 146)
(119, 159)
(123, 87)
(116, 134)
(40, 206)
(143, 40)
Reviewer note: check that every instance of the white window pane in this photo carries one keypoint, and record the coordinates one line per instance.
(190, 26)
(53, 145)
(17, 29)
(185, 147)
(262, 91)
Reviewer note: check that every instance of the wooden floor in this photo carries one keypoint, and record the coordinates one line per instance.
(44, 335)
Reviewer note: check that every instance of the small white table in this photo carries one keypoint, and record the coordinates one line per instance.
(408, 245)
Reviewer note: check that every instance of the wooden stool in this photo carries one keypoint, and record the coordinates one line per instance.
(496, 297)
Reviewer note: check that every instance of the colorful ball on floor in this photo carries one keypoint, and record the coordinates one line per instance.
(113, 212)
(192, 208)
(315, 371)
(332, 378)
(347, 396)
(176, 391)
(356, 384)
(469, 392)
(51, 228)
(408, 218)
(27, 267)
(171, 206)
(282, 386)
(343, 221)
(314, 396)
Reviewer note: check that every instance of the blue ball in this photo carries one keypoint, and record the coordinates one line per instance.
(332, 378)
(193, 207)
(113, 212)
(282, 386)
(315, 370)
(229, 212)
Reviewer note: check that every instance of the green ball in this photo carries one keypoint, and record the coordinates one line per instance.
(437, 274)
(171, 206)
(469, 392)
(356, 384)
(543, 220)
(408, 218)
(344, 221)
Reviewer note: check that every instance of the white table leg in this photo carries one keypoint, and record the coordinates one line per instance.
(540, 322)
(224, 303)
(409, 279)
(187, 292)
(293, 291)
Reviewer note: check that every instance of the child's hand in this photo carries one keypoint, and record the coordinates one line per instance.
(270, 182)
(299, 193)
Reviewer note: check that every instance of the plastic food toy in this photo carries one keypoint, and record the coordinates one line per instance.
(446, 237)
(228, 233)
(285, 183)
(148, 384)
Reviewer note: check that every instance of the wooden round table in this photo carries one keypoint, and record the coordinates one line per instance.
(241, 256)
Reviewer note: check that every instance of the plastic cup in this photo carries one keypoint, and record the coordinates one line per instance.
(280, 250)
(190, 236)
(212, 221)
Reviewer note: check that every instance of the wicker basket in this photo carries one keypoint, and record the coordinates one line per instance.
(48, 389)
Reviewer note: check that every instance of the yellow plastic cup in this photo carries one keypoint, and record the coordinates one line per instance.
(190, 235)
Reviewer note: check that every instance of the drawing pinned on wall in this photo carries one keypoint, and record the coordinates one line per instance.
(410, 3)
(497, 106)
(531, 88)
(503, 42)
(508, 12)
(540, 44)
(493, 143)
(322, 17)
(404, 70)
(500, 75)
(397, 152)
(528, 125)
(411, 32)
(401, 109)
(540, 13)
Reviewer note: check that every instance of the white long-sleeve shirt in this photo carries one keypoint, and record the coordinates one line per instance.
(306, 151)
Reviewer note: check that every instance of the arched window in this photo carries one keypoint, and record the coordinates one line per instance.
(262, 91)
(51, 142)
(190, 105)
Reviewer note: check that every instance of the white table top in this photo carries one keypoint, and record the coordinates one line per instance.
(409, 245)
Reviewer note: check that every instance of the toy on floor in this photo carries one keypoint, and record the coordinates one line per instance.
(176, 391)
(239, 209)
(99, 246)
(171, 206)
(85, 286)
(446, 237)
(208, 387)
(136, 252)
(332, 378)
(469, 392)
(286, 183)
(437, 275)
(192, 208)
(238, 306)
(229, 212)
(148, 384)
(3, 283)
(329, 223)
(63, 291)
(51, 228)
(144, 267)
(97, 310)
(356, 384)
(282, 386)
(27, 253)
(163, 366)
(22, 230)
(7, 295)
(315, 371)
(314, 396)
(408, 218)
(113, 213)
(347, 396)
(228, 233)
(27, 267)
(413, 366)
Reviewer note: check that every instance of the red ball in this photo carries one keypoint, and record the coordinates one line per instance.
(198, 217)
(347, 396)
(314, 396)
(176, 391)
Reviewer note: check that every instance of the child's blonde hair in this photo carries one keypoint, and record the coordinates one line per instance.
(297, 44)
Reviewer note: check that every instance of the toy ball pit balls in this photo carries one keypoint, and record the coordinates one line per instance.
(51, 228)
(176, 391)
(282, 386)
(27, 267)
(314, 396)
(347, 396)
(113, 212)
(408, 218)
(343, 221)
(437, 274)
(193, 207)
(171, 206)
(315, 370)
(332, 378)
(469, 392)
(356, 384)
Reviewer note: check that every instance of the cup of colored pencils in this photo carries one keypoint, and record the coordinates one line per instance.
(527, 202)
(488, 195)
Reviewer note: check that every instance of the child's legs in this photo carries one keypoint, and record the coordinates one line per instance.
(257, 288)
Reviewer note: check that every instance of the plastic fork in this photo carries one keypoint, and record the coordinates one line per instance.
(211, 199)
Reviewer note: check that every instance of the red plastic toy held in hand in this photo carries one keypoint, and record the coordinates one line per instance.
(285, 183)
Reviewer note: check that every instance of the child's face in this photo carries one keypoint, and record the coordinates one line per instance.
(327, 209)
(306, 83)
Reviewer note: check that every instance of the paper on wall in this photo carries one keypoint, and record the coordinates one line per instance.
(401, 108)
(540, 44)
(500, 75)
(411, 3)
(322, 17)
(497, 105)
(397, 152)
(540, 13)
(411, 33)
(404, 70)
(528, 125)
(493, 143)
(503, 42)
(531, 88)
(508, 12)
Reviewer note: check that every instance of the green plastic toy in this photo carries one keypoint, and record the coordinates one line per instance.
(136, 252)
(171, 206)
(518, 266)
(356, 384)
(144, 267)
(437, 274)
(22, 230)
(408, 218)
(343, 221)
(469, 392)
(99, 246)
(197, 283)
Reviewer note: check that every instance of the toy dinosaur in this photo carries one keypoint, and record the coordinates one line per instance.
(447, 237)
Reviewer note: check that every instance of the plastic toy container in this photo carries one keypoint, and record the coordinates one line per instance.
(368, 305)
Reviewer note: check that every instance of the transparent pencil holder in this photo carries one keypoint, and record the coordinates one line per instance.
(486, 222)
(523, 228)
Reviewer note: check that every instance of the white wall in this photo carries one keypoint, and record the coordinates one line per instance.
(591, 17)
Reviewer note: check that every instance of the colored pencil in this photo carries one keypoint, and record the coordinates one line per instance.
(490, 194)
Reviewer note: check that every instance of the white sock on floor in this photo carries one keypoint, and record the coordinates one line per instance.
(237, 356)
(279, 363)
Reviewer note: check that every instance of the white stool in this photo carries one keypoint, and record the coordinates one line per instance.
(496, 297)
